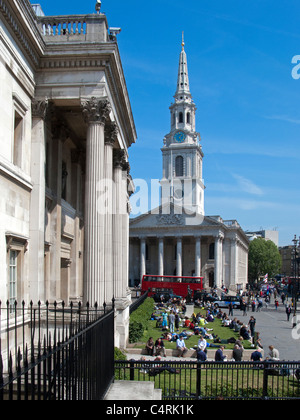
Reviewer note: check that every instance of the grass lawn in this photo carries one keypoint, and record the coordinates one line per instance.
(223, 332)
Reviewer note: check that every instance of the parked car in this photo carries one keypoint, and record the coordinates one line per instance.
(225, 301)
(165, 297)
(204, 297)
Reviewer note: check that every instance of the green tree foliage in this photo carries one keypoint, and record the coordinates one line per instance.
(264, 258)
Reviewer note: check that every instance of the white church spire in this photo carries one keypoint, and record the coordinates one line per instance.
(182, 181)
(183, 85)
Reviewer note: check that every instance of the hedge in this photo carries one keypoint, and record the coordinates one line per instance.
(139, 320)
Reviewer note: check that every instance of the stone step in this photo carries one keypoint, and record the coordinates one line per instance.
(133, 390)
(191, 354)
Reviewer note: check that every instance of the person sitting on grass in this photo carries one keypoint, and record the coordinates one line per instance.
(157, 368)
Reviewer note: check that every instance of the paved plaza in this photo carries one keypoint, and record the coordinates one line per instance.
(275, 330)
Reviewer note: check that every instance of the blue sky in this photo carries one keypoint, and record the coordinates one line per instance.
(248, 104)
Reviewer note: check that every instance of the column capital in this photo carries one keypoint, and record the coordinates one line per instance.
(119, 158)
(39, 108)
(111, 133)
(120, 161)
(219, 236)
(96, 110)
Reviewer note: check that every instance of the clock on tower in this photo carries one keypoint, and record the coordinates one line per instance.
(179, 137)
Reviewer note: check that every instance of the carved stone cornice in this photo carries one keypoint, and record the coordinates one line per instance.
(29, 44)
(96, 110)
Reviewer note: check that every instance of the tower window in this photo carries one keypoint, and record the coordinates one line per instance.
(180, 117)
(179, 166)
(188, 118)
(18, 137)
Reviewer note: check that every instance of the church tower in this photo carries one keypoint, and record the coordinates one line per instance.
(182, 182)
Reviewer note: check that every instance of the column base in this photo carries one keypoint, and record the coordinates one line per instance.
(122, 317)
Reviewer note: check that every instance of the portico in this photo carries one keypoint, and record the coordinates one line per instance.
(216, 250)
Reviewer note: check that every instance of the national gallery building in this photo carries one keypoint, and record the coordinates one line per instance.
(66, 125)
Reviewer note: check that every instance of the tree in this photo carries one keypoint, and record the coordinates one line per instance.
(264, 258)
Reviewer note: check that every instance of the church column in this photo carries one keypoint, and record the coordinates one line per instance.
(219, 260)
(96, 113)
(143, 257)
(37, 209)
(179, 258)
(233, 263)
(161, 256)
(198, 257)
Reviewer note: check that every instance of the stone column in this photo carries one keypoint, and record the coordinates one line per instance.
(96, 113)
(37, 206)
(118, 209)
(76, 273)
(198, 257)
(179, 258)
(111, 133)
(143, 257)
(218, 260)
(233, 263)
(59, 135)
(161, 256)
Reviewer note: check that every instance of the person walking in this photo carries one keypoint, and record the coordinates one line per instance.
(244, 307)
(230, 307)
(252, 323)
(288, 312)
(177, 320)
(172, 321)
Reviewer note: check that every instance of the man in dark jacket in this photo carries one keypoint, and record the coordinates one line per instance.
(219, 356)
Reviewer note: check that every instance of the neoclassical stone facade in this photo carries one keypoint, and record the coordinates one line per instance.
(172, 245)
(66, 126)
(177, 239)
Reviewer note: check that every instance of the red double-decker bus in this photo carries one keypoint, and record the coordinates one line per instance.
(178, 285)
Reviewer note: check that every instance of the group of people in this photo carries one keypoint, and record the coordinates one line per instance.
(171, 317)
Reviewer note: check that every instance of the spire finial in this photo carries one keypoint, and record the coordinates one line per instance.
(182, 44)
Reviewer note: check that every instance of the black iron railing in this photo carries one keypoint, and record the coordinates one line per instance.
(54, 352)
(216, 380)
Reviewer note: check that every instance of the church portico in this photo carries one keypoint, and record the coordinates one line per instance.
(200, 252)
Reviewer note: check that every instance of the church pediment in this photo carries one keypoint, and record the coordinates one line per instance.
(172, 216)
